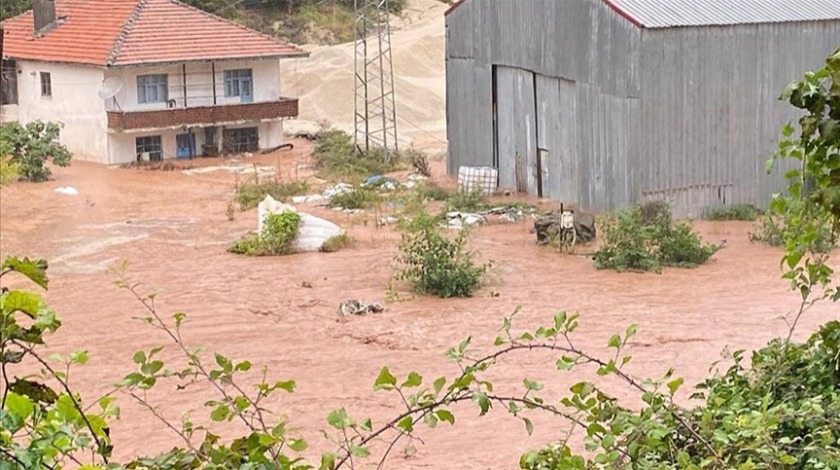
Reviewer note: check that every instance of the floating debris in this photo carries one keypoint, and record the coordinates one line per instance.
(355, 307)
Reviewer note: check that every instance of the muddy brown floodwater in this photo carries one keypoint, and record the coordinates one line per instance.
(172, 229)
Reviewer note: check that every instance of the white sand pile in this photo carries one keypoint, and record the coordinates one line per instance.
(324, 81)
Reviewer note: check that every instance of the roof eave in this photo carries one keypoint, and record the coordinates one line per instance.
(297, 55)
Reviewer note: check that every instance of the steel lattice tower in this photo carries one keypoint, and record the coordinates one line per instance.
(375, 109)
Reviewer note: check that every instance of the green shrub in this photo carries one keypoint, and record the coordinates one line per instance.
(554, 457)
(646, 239)
(438, 265)
(746, 212)
(792, 218)
(336, 157)
(31, 146)
(433, 192)
(277, 236)
(358, 197)
(466, 201)
(419, 161)
(252, 192)
(336, 243)
(420, 220)
(9, 171)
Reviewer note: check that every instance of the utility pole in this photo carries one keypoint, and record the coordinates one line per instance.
(375, 109)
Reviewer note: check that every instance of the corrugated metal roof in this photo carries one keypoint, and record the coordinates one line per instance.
(671, 13)
(136, 32)
(675, 13)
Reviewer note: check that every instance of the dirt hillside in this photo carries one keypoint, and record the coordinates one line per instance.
(324, 81)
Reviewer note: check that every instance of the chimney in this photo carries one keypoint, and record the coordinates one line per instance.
(43, 12)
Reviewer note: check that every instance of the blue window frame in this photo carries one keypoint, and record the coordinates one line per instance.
(239, 82)
(151, 88)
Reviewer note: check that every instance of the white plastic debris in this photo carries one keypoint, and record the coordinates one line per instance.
(461, 219)
(388, 220)
(308, 199)
(339, 188)
(313, 231)
(68, 190)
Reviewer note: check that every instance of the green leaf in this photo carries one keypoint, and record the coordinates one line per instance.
(631, 331)
(406, 424)
(499, 341)
(359, 451)
(298, 445)
(140, 357)
(19, 405)
(615, 341)
(529, 426)
(447, 416)
(565, 363)
(328, 461)
(367, 425)
(339, 419)
(179, 319)
(385, 380)
(27, 302)
(674, 385)
(220, 413)
(559, 321)
(431, 420)
(243, 366)
(483, 402)
(439, 384)
(531, 385)
(35, 270)
(583, 388)
(288, 385)
(414, 380)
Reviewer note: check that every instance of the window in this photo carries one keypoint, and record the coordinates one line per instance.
(246, 139)
(151, 88)
(46, 85)
(238, 83)
(149, 144)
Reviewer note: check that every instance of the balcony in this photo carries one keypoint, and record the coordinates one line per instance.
(202, 115)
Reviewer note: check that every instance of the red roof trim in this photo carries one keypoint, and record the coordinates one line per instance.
(627, 16)
(453, 7)
(624, 14)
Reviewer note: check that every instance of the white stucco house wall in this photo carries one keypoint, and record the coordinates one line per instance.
(149, 80)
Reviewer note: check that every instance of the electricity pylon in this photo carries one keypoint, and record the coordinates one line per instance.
(376, 114)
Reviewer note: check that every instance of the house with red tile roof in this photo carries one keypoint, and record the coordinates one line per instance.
(144, 79)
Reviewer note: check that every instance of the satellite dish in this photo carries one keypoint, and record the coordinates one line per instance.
(110, 87)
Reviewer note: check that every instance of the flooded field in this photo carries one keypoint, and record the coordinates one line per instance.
(172, 229)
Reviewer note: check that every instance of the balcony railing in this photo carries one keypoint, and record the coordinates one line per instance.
(202, 115)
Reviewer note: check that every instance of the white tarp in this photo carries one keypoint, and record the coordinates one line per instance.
(313, 231)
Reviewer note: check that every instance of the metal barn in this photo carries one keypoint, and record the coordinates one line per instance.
(603, 103)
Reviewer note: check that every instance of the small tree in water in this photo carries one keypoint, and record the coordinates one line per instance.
(30, 146)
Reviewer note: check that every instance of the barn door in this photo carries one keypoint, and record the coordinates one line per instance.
(557, 138)
(517, 130)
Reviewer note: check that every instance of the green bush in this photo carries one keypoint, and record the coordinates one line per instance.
(252, 192)
(336, 157)
(419, 161)
(747, 212)
(31, 146)
(433, 192)
(646, 239)
(438, 265)
(794, 216)
(277, 236)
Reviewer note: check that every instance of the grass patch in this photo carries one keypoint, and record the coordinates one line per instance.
(336, 243)
(277, 236)
(252, 192)
(465, 201)
(746, 212)
(336, 158)
(646, 239)
(357, 198)
(433, 192)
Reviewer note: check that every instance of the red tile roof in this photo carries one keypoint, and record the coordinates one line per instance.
(130, 32)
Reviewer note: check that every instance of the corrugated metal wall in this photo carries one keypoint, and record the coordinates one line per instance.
(710, 113)
(625, 114)
(578, 59)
